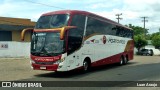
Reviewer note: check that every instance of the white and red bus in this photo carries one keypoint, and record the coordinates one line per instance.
(71, 39)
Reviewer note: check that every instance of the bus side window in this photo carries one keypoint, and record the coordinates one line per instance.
(94, 26)
(79, 21)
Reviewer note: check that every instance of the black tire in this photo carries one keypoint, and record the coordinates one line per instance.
(86, 66)
(125, 60)
(121, 61)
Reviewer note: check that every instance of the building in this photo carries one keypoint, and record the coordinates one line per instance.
(10, 28)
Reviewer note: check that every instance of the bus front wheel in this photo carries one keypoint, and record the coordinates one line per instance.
(85, 65)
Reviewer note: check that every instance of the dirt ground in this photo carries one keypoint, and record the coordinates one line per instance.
(16, 69)
(20, 68)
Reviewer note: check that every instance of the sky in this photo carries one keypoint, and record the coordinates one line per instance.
(132, 10)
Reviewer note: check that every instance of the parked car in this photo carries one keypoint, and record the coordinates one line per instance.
(146, 52)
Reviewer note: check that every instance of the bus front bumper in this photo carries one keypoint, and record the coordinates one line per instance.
(53, 67)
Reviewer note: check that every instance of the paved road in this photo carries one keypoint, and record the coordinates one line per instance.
(142, 68)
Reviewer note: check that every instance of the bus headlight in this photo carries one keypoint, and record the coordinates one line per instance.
(59, 61)
(32, 61)
(62, 59)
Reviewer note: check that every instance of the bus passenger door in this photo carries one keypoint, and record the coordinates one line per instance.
(74, 46)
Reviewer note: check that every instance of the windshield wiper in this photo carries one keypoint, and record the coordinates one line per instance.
(44, 54)
(34, 53)
(39, 53)
(53, 54)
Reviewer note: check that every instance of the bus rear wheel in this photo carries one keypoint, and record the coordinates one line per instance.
(125, 60)
(121, 61)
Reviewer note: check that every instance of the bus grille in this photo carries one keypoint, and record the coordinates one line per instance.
(45, 63)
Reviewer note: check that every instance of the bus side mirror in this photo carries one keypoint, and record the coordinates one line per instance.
(24, 31)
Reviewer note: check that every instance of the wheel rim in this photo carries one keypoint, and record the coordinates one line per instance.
(85, 66)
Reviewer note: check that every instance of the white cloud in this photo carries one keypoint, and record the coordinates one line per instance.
(99, 5)
(21, 10)
(148, 8)
(6, 8)
(133, 10)
(103, 4)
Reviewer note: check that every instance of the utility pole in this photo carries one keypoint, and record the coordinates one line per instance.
(118, 17)
(144, 20)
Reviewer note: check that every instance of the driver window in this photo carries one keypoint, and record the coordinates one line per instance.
(75, 37)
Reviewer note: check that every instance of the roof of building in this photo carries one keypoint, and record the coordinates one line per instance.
(4, 27)
(16, 21)
(8, 23)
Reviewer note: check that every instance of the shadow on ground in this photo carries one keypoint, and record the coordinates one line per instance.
(80, 73)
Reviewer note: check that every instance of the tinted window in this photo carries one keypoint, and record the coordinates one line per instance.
(79, 21)
(122, 32)
(52, 21)
(95, 26)
(75, 37)
(47, 44)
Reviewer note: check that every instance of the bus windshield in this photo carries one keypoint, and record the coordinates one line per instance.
(52, 21)
(47, 44)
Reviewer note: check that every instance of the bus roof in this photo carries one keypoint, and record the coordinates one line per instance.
(84, 13)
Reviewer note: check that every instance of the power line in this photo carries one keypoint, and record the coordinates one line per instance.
(118, 17)
(45, 4)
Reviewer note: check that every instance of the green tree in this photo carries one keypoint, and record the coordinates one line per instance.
(148, 36)
(137, 30)
(139, 39)
(156, 40)
(139, 42)
(155, 34)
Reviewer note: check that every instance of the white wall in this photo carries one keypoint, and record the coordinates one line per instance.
(14, 49)
(135, 50)
(156, 51)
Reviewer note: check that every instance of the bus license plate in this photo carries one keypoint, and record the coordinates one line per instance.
(42, 67)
